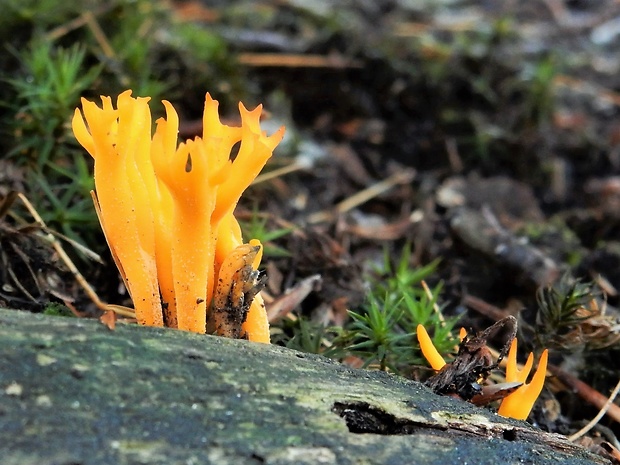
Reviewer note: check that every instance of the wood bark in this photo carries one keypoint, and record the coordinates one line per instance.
(74, 392)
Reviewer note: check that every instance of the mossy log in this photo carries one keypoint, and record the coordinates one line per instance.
(74, 392)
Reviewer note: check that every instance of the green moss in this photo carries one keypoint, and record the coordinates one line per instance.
(57, 309)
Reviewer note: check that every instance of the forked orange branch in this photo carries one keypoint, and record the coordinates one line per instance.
(167, 209)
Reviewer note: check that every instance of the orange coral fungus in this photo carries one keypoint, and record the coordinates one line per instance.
(520, 401)
(167, 210)
(431, 354)
(519, 404)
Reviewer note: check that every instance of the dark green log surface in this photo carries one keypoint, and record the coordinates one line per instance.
(72, 392)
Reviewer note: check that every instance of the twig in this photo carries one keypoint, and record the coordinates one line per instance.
(76, 23)
(587, 393)
(416, 29)
(99, 35)
(430, 296)
(490, 311)
(456, 162)
(579, 85)
(597, 418)
(402, 177)
(279, 172)
(72, 268)
(290, 60)
(104, 43)
(18, 283)
(284, 304)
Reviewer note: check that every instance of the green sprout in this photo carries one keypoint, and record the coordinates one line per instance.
(48, 91)
(562, 310)
(375, 336)
(306, 335)
(382, 332)
(53, 78)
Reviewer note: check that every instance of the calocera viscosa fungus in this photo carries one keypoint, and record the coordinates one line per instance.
(519, 403)
(166, 210)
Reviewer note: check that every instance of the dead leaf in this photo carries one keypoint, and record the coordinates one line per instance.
(109, 319)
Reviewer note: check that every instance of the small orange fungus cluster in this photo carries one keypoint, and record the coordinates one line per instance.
(167, 209)
(519, 403)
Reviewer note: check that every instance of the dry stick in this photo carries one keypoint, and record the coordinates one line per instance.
(19, 284)
(494, 313)
(402, 177)
(282, 306)
(606, 286)
(430, 296)
(76, 23)
(494, 352)
(104, 43)
(72, 268)
(490, 311)
(579, 85)
(456, 162)
(597, 418)
(291, 60)
(100, 36)
(279, 172)
(587, 393)
(246, 215)
(415, 29)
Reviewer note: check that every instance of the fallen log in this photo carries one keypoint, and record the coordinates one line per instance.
(73, 392)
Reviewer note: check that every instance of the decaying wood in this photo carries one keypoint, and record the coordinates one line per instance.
(73, 391)
(473, 363)
(235, 292)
